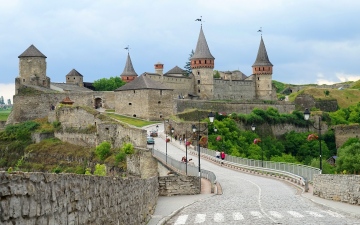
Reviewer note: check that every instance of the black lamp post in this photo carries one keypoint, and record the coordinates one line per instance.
(172, 132)
(165, 140)
(306, 117)
(186, 150)
(211, 118)
(253, 127)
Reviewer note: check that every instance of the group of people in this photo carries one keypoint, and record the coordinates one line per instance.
(184, 160)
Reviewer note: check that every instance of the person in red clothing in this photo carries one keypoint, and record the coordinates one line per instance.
(222, 155)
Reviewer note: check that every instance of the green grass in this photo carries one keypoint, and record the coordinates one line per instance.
(4, 114)
(130, 120)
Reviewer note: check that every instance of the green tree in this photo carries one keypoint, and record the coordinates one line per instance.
(216, 74)
(110, 84)
(2, 100)
(349, 159)
(187, 66)
(128, 148)
(284, 158)
(103, 150)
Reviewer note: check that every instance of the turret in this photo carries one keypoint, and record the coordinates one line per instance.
(202, 64)
(159, 68)
(129, 73)
(262, 71)
(74, 77)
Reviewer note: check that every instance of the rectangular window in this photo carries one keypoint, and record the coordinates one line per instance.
(198, 81)
(160, 92)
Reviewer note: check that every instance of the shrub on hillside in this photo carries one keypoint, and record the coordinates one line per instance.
(102, 151)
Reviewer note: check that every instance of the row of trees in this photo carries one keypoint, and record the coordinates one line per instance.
(2, 101)
(292, 147)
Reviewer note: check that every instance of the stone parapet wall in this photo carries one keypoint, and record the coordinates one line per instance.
(343, 188)
(44, 198)
(230, 107)
(179, 185)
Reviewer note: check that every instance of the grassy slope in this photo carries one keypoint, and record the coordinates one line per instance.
(4, 114)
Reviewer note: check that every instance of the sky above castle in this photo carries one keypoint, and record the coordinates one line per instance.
(308, 41)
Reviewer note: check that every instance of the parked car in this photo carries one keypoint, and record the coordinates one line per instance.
(153, 133)
(150, 141)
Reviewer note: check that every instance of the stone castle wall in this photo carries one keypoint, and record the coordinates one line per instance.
(343, 188)
(235, 90)
(149, 104)
(29, 107)
(75, 121)
(307, 101)
(179, 185)
(41, 198)
(230, 107)
(344, 132)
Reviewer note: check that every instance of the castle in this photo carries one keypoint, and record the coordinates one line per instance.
(152, 95)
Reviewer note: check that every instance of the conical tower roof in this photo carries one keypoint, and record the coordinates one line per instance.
(74, 72)
(129, 69)
(202, 49)
(32, 51)
(142, 82)
(262, 58)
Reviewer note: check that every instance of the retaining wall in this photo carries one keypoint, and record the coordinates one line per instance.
(343, 188)
(45, 198)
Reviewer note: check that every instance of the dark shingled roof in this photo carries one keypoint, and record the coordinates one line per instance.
(262, 58)
(74, 72)
(70, 87)
(202, 49)
(143, 82)
(129, 69)
(176, 70)
(32, 51)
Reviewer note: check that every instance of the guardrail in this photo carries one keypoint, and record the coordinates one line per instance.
(181, 167)
(297, 171)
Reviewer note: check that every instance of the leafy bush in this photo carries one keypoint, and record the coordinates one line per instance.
(100, 170)
(103, 150)
(127, 148)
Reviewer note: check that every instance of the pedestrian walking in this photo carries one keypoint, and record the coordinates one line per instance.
(180, 140)
(222, 155)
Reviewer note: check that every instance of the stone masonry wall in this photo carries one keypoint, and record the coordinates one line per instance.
(230, 107)
(344, 132)
(41, 198)
(179, 185)
(343, 188)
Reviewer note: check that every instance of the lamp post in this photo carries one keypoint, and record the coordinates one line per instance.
(211, 118)
(253, 127)
(186, 150)
(306, 117)
(165, 140)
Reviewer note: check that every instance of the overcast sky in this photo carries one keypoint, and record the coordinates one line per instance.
(308, 41)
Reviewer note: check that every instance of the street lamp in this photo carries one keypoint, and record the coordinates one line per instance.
(306, 117)
(211, 118)
(253, 127)
(165, 140)
(172, 132)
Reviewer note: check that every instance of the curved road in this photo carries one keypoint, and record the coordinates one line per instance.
(250, 199)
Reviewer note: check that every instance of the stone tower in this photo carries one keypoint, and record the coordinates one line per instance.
(129, 73)
(262, 71)
(202, 65)
(32, 69)
(74, 77)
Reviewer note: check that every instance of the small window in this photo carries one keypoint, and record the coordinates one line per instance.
(258, 78)
(263, 69)
(159, 102)
(258, 85)
(127, 78)
(74, 78)
(198, 81)
(198, 73)
(107, 128)
(23, 80)
(160, 92)
(134, 91)
(194, 62)
(205, 61)
(134, 115)
(198, 90)
(68, 78)
(130, 103)
(199, 61)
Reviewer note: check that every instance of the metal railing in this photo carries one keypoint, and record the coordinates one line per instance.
(303, 171)
(181, 166)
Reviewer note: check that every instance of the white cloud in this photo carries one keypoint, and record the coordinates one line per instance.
(7, 91)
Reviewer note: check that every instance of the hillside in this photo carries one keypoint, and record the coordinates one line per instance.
(345, 97)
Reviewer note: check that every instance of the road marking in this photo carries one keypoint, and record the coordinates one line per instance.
(276, 214)
(181, 220)
(256, 214)
(238, 216)
(315, 214)
(295, 214)
(219, 217)
(334, 214)
(200, 218)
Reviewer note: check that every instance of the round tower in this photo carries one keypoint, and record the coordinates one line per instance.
(262, 71)
(202, 65)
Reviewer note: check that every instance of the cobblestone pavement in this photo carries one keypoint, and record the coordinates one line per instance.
(250, 199)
